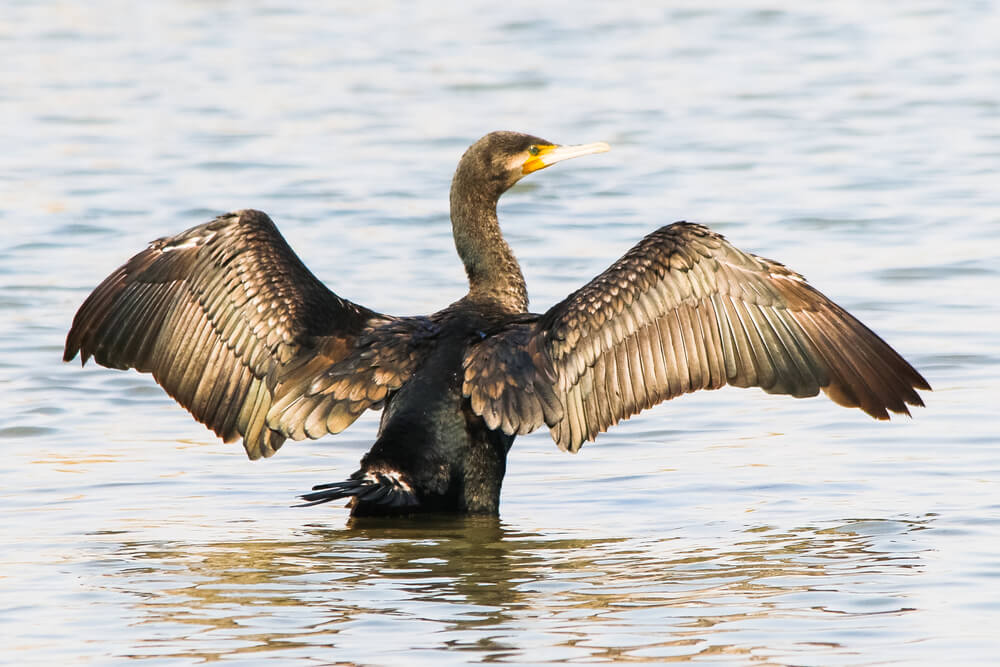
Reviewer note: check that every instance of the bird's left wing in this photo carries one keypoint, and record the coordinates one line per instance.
(234, 326)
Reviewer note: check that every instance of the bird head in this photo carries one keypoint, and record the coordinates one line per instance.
(500, 159)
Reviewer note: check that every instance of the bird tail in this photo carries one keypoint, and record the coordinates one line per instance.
(382, 488)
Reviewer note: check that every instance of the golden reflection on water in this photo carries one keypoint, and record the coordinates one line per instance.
(478, 585)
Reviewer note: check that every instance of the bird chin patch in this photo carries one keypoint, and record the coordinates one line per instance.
(519, 163)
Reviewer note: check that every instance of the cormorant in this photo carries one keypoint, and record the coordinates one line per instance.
(234, 327)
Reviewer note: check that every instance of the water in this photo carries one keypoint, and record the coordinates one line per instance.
(856, 142)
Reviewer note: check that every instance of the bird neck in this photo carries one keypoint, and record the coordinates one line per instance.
(494, 274)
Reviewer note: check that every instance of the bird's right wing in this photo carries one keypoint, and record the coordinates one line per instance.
(683, 310)
(234, 327)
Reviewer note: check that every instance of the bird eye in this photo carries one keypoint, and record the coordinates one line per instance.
(534, 150)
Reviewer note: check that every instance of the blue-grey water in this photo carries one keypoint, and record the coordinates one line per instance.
(858, 142)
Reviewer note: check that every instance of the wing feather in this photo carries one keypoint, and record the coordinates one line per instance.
(684, 310)
(235, 328)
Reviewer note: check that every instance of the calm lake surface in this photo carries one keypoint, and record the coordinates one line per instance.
(857, 142)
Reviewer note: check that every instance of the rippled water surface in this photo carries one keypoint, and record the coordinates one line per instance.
(857, 142)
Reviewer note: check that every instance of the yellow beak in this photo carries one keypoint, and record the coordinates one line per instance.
(549, 155)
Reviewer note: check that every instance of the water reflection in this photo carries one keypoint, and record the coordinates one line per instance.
(483, 586)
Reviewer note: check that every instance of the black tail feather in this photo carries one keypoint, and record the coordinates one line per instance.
(368, 487)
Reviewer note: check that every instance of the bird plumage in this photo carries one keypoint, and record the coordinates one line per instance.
(233, 326)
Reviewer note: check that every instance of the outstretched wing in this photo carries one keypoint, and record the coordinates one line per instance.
(229, 321)
(683, 310)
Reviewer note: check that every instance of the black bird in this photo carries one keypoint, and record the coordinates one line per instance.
(234, 327)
